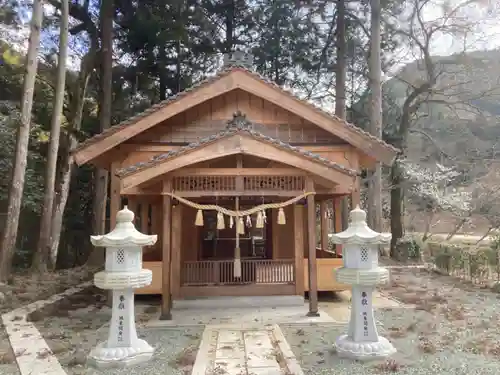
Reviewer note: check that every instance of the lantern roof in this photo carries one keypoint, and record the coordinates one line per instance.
(124, 233)
(358, 231)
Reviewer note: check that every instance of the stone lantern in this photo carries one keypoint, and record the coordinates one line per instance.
(361, 270)
(123, 273)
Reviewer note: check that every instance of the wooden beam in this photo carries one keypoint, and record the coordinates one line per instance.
(311, 262)
(166, 297)
(322, 193)
(238, 172)
(298, 231)
(243, 193)
(324, 224)
(141, 147)
(185, 102)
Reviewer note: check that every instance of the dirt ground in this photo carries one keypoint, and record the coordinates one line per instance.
(25, 287)
(451, 328)
(450, 319)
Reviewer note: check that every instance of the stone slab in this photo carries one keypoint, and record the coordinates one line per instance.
(237, 302)
(245, 350)
(32, 352)
(241, 316)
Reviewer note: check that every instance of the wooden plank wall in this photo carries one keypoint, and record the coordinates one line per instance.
(211, 117)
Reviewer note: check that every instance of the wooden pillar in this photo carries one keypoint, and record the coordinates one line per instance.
(312, 265)
(115, 197)
(133, 205)
(324, 224)
(355, 195)
(175, 261)
(275, 233)
(298, 230)
(156, 221)
(337, 206)
(144, 216)
(166, 298)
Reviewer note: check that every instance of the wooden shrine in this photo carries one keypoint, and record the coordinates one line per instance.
(235, 143)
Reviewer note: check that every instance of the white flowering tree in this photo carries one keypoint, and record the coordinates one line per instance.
(431, 190)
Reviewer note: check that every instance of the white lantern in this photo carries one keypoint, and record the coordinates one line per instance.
(361, 270)
(123, 273)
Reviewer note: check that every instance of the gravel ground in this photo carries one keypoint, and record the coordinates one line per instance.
(453, 329)
(175, 353)
(74, 325)
(8, 364)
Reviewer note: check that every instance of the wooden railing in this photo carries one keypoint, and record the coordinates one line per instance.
(253, 271)
(228, 184)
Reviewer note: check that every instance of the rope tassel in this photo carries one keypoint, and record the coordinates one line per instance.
(281, 216)
(199, 219)
(225, 211)
(259, 222)
(241, 226)
(220, 221)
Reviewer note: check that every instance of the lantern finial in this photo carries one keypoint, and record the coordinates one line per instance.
(125, 216)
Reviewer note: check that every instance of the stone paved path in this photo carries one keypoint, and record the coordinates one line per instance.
(234, 350)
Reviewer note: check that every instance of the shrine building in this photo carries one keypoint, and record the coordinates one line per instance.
(228, 173)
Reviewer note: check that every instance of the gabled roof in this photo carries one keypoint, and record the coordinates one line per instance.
(373, 146)
(238, 125)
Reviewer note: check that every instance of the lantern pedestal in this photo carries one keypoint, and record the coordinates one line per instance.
(361, 270)
(122, 275)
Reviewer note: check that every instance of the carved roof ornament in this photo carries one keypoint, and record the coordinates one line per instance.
(239, 121)
(238, 58)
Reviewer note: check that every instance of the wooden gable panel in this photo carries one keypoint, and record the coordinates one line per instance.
(210, 117)
(237, 144)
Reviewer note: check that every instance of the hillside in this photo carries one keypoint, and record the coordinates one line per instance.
(458, 123)
(457, 126)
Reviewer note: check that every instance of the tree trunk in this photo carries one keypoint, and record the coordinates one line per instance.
(21, 154)
(396, 206)
(375, 181)
(66, 165)
(428, 226)
(340, 86)
(485, 235)
(457, 228)
(42, 255)
(101, 177)
(58, 211)
(229, 21)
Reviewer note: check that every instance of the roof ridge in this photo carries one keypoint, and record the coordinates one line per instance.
(226, 69)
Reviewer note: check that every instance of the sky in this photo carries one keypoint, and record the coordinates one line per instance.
(482, 17)
(482, 20)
